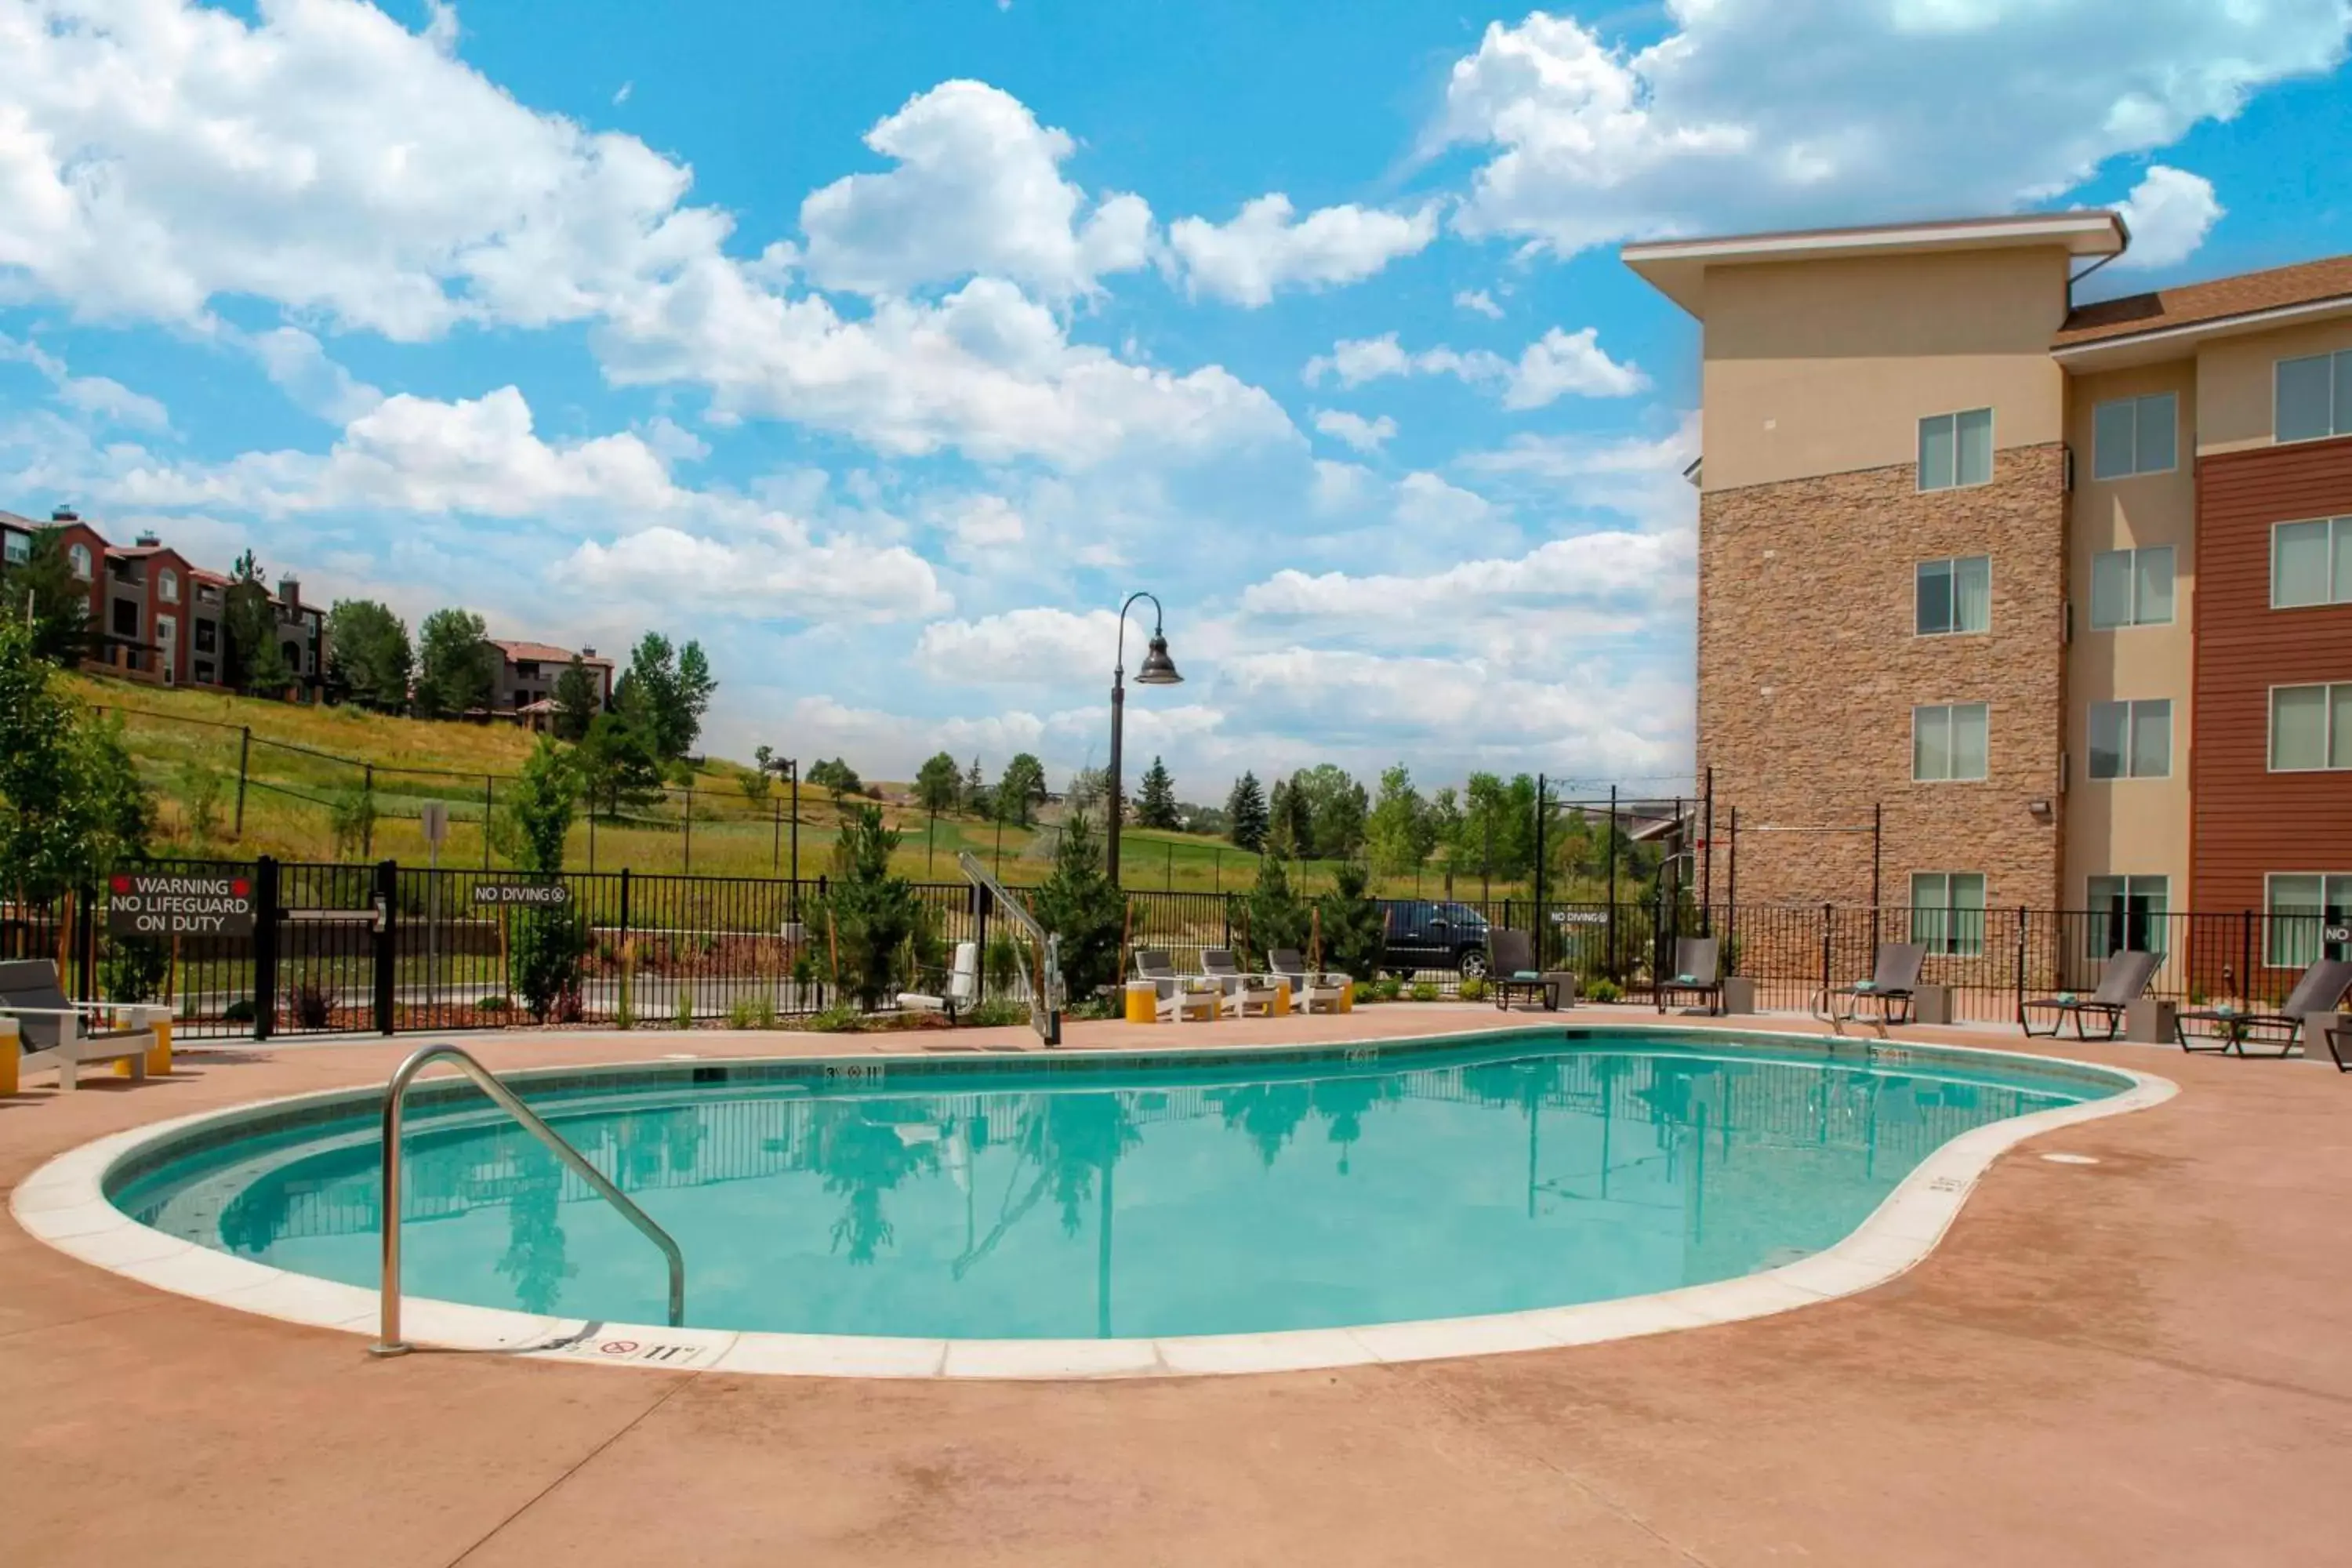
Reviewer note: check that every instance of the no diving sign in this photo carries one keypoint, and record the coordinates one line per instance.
(157, 905)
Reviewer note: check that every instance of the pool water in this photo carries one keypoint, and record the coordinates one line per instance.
(1508, 1173)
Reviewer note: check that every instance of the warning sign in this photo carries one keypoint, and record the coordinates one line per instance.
(144, 905)
(542, 895)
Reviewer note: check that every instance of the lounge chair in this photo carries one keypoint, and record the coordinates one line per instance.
(2222, 1030)
(2125, 978)
(961, 988)
(1512, 971)
(1697, 960)
(1175, 997)
(1309, 992)
(1217, 963)
(68, 1036)
(2338, 1042)
(1893, 976)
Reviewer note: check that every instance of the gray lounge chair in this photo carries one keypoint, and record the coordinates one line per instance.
(2223, 1030)
(1697, 962)
(1309, 992)
(1217, 963)
(2121, 984)
(68, 1036)
(1893, 978)
(1512, 971)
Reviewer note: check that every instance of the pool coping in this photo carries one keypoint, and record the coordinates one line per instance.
(63, 1203)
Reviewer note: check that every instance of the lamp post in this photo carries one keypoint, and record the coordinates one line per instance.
(1158, 669)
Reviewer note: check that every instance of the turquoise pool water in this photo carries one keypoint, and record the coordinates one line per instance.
(1088, 1198)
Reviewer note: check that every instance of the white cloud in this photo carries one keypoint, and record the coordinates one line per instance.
(1480, 302)
(773, 570)
(1752, 115)
(1263, 249)
(2168, 214)
(1556, 365)
(984, 524)
(102, 396)
(1425, 501)
(1612, 567)
(977, 188)
(1637, 477)
(1336, 487)
(620, 95)
(301, 368)
(1364, 434)
(1026, 646)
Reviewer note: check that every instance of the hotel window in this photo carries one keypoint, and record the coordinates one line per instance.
(2133, 435)
(1955, 449)
(2311, 728)
(80, 557)
(1947, 742)
(20, 548)
(1948, 911)
(126, 618)
(2126, 912)
(2131, 588)
(1953, 596)
(2311, 563)
(167, 586)
(2306, 910)
(2313, 396)
(207, 636)
(2132, 740)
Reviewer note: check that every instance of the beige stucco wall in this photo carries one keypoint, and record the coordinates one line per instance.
(1827, 367)
(2235, 382)
(2138, 826)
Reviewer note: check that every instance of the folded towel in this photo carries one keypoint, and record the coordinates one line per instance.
(1686, 979)
(2065, 996)
(1865, 985)
(1524, 974)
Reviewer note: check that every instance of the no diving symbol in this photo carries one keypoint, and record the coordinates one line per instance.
(618, 1347)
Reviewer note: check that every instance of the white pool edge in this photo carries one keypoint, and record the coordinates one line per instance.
(63, 1205)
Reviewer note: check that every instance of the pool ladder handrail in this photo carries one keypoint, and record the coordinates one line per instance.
(396, 1094)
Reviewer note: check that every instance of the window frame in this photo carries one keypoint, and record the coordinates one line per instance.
(2295, 957)
(167, 585)
(1951, 565)
(1918, 452)
(2131, 554)
(78, 560)
(2339, 420)
(2326, 726)
(2336, 544)
(2099, 940)
(18, 549)
(2129, 752)
(2137, 403)
(1956, 939)
(1947, 709)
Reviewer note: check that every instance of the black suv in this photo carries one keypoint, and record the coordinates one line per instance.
(1424, 933)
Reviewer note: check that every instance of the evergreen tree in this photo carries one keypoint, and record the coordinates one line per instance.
(577, 702)
(1077, 903)
(876, 922)
(835, 774)
(43, 589)
(1290, 826)
(256, 665)
(1155, 804)
(1246, 820)
(1271, 916)
(618, 763)
(457, 669)
(544, 946)
(368, 657)
(1336, 807)
(1354, 932)
(975, 790)
(1022, 790)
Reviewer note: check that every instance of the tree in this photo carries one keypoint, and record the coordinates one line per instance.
(756, 786)
(256, 665)
(1271, 915)
(71, 805)
(1497, 838)
(368, 657)
(876, 922)
(618, 763)
(938, 784)
(837, 776)
(544, 945)
(44, 589)
(696, 687)
(1399, 832)
(1337, 805)
(1155, 803)
(1022, 790)
(1077, 903)
(1245, 813)
(975, 790)
(675, 687)
(1290, 823)
(1089, 786)
(457, 669)
(577, 702)
(1354, 932)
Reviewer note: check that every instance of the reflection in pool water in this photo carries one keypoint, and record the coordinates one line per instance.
(1517, 1175)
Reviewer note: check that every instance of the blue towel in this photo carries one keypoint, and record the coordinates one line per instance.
(1524, 974)
(1686, 979)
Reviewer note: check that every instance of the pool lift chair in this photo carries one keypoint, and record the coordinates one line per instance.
(961, 990)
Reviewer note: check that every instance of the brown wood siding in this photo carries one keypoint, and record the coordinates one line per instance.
(2246, 821)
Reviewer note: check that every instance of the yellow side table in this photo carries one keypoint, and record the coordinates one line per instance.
(12, 1051)
(1143, 1002)
(1282, 998)
(159, 1054)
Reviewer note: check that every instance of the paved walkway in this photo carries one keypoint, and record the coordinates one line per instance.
(2146, 1360)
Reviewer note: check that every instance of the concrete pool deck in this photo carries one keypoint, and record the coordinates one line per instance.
(2143, 1359)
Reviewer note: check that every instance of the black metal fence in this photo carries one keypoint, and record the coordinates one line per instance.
(387, 948)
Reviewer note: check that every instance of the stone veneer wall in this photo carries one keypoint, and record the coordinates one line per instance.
(1808, 671)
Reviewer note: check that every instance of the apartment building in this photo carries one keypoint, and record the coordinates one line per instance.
(528, 673)
(155, 616)
(2066, 589)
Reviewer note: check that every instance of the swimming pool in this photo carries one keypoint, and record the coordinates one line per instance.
(1130, 1197)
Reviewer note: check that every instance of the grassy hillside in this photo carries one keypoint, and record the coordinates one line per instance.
(302, 763)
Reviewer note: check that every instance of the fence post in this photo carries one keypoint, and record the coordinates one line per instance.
(85, 943)
(387, 941)
(265, 947)
(243, 755)
(981, 901)
(776, 844)
(2023, 948)
(367, 823)
(690, 830)
(489, 804)
(2246, 958)
(1829, 922)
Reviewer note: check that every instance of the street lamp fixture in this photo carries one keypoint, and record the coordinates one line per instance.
(1157, 669)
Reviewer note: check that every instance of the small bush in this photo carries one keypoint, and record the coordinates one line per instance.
(492, 1005)
(682, 1015)
(1473, 988)
(1424, 991)
(835, 1020)
(1603, 989)
(739, 1013)
(314, 1006)
(134, 969)
(570, 1007)
(1388, 988)
(995, 1013)
(763, 1011)
(238, 1012)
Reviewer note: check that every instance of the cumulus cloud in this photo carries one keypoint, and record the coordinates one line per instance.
(1752, 115)
(1605, 568)
(1026, 646)
(1555, 365)
(1480, 302)
(1267, 246)
(294, 359)
(2168, 214)
(102, 397)
(772, 570)
(1364, 434)
(977, 187)
(984, 524)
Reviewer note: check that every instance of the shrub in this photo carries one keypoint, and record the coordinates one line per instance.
(682, 1015)
(1002, 963)
(763, 1010)
(134, 969)
(238, 1012)
(1077, 903)
(1424, 991)
(1354, 930)
(875, 918)
(1473, 988)
(1601, 988)
(995, 1013)
(1388, 987)
(834, 1020)
(492, 1005)
(314, 1006)
(739, 1013)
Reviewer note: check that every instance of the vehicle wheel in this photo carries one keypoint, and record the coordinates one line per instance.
(1474, 964)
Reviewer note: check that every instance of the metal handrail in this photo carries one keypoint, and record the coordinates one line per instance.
(396, 1094)
(1044, 1009)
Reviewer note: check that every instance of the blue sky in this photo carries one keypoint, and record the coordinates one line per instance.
(885, 347)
